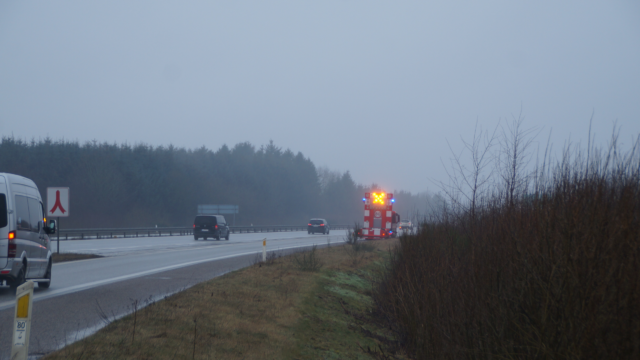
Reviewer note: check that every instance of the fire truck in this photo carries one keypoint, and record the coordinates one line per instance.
(380, 221)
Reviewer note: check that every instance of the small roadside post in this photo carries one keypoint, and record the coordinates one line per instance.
(22, 322)
(264, 250)
(58, 206)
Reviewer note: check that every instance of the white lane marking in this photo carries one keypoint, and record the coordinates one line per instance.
(71, 289)
(115, 248)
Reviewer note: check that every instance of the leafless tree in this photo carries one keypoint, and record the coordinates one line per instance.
(468, 182)
(514, 157)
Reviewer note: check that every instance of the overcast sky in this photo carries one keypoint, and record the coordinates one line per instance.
(373, 87)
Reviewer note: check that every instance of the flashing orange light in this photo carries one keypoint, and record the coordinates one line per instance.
(45, 220)
(12, 235)
(378, 198)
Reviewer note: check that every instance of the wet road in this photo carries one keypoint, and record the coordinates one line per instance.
(143, 269)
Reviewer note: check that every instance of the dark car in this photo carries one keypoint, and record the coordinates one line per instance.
(210, 226)
(318, 225)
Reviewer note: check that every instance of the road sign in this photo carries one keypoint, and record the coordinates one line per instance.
(218, 209)
(58, 201)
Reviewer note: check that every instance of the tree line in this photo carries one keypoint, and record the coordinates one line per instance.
(123, 185)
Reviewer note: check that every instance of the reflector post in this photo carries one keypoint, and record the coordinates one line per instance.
(22, 321)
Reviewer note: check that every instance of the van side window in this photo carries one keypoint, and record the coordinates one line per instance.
(35, 213)
(23, 221)
(4, 216)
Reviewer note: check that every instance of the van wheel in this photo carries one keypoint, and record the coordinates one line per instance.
(195, 237)
(218, 237)
(46, 284)
(227, 237)
(19, 280)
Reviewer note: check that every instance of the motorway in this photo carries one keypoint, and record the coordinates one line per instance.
(84, 293)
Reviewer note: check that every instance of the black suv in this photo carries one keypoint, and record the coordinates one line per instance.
(318, 225)
(210, 226)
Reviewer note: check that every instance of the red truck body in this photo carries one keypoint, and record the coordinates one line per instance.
(380, 221)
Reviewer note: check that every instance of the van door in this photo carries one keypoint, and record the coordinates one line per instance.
(39, 255)
(4, 223)
(27, 235)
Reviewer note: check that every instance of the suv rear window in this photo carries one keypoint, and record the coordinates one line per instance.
(205, 220)
(316, 222)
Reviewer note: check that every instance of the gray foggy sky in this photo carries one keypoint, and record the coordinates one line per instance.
(373, 87)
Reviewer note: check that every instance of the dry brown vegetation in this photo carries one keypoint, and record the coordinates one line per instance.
(274, 310)
(550, 272)
(62, 257)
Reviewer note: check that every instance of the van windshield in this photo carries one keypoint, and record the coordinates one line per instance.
(205, 220)
(4, 218)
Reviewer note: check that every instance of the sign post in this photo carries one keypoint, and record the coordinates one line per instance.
(22, 322)
(58, 205)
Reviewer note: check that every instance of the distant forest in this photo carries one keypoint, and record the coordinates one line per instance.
(122, 185)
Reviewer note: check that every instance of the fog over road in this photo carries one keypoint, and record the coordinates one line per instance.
(143, 269)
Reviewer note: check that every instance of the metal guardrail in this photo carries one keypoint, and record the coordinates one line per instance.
(108, 233)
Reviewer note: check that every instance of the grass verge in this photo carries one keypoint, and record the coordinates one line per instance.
(274, 310)
(62, 257)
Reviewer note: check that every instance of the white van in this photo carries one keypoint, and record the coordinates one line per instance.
(25, 249)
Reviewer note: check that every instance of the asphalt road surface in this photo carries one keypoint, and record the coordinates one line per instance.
(84, 292)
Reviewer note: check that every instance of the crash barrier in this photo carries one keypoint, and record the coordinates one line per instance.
(81, 234)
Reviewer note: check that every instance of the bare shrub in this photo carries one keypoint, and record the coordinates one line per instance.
(272, 256)
(308, 260)
(352, 235)
(354, 247)
(552, 273)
